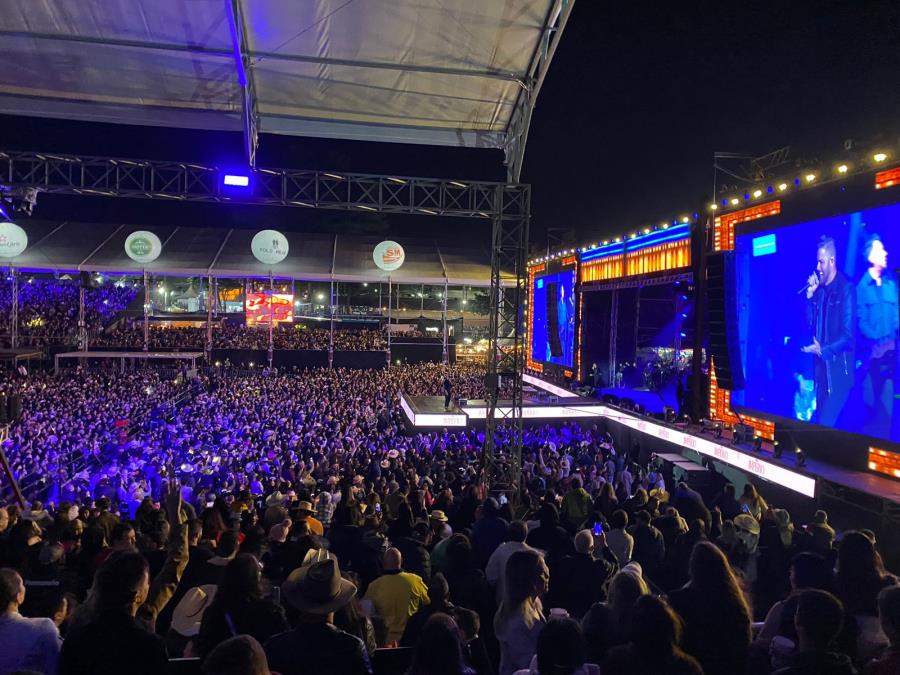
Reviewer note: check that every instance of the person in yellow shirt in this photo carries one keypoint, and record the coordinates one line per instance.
(396, 595)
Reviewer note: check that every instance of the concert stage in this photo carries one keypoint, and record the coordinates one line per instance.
(428, 412)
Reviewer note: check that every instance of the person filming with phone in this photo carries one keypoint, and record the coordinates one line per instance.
(578, 580)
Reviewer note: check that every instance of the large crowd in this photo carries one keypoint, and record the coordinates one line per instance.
(229, 335)
(291, 524)
(48, 308)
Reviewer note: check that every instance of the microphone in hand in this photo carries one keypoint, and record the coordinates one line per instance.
(812, 284)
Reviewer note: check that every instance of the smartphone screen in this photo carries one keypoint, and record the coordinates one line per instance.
(598, 529)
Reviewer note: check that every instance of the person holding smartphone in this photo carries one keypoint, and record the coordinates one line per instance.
(577, 580)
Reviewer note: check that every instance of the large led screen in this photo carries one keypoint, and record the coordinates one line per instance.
(819, 321)
(553, 321)
(265, 304)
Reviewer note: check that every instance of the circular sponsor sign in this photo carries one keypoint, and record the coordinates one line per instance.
(270, 247)
(143, 246)
(13, 240)
(388, 256)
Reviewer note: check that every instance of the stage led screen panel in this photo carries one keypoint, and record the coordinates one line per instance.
(818, 308)
(259, 308)
(553, 320)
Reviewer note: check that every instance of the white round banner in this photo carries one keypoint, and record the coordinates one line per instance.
(270, 247)
(143, 246)
(13, 240)
(388, 256)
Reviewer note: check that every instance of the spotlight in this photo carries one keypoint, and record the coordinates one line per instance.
(757, 193)
(843, 168)
(782, 187)
(800, 457)
(810, 177)
(719, 430)
(879, 157)
(776, 450)
(757, 444)
(236, 180)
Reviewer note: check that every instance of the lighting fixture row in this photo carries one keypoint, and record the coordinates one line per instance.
(683, 220)
(840, 170)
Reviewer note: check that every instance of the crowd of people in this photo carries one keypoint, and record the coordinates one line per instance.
(291, 524)
(48, 308)
(230, 335)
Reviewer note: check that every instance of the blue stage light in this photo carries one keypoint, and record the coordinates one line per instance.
(236, 180)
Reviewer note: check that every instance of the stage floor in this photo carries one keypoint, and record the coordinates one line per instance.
(652, 401)
(429, 411)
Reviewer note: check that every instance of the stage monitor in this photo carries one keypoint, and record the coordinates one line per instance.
(553, 316)
(818, 308)
(262, 305)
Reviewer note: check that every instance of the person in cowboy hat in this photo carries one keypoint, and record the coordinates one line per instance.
(186, 618)
(304, 512)
(315, 645)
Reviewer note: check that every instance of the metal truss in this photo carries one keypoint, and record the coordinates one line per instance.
(520, 121)
(150, 179)
(637, 282)
(506, 205)
(502, 459)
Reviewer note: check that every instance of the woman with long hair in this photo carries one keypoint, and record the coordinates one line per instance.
(655, 644)
(440, 649)
(520, 618)
(608, 624)
(561, 650)
(860, 578)
(239, 608)
(715, 612)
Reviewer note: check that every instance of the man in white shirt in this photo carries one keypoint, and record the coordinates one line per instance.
(25, 644)
(496, 565)
(619, 541)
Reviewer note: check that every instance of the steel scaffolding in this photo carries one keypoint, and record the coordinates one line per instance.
(507, 206)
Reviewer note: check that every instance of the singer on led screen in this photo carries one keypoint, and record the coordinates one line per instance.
(828, 353)
(553, 335)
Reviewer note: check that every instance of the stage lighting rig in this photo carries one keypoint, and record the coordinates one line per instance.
(757, 444)
(17, 200)
(776, 450)
(800, 456)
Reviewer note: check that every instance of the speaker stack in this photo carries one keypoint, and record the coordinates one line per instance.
(722, 312)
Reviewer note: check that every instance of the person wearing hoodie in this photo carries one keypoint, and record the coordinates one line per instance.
(818, 621)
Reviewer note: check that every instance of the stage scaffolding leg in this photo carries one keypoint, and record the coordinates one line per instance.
(146, 311)
(209, 317)
(445, 356)
(613, 336)
(271, 319)
(331, 328)
(82, 328)
(509, 242)
(14, 312)
(390, 301)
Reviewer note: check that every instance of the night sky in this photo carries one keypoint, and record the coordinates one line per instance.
(638, 99)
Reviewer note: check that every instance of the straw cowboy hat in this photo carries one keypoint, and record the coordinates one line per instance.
(439, 516)
(275, 499)
(318, 588)
(189, 611)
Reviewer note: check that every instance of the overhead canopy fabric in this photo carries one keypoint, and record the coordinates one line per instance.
(441, 72)
(100, 247)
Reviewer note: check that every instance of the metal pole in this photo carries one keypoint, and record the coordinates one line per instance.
(331, 328)
(146, 311)
(82, 329)
(613, 337)
(215, 302)
(445, 356)
(390, 302)
(14, 312)
(209, 316)
(271, 318)
(4, 434)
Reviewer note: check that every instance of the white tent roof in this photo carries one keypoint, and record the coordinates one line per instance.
(441, 72)
(188, 251)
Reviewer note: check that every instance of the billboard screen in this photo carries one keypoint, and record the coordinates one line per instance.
(818, 308)
(262, 305)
